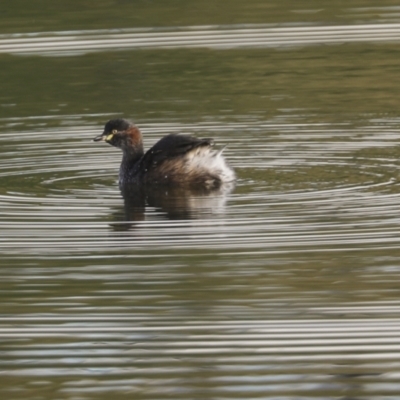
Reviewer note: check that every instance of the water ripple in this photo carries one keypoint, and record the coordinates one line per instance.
(82, 210)
(214, 37)
(243, 357)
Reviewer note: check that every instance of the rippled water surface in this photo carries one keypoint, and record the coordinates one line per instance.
(285, 286)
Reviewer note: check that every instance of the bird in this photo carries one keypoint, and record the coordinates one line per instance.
(176, 160)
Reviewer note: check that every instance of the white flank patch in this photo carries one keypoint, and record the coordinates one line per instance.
(210, 161)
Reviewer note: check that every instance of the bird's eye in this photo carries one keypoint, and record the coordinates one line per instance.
(114, 131)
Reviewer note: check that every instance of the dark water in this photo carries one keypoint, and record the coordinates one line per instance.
(283, 287)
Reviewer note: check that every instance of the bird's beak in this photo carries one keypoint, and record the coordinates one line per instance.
(99, 138)
(104, 137)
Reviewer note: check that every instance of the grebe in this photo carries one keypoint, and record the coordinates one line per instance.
(176, 160)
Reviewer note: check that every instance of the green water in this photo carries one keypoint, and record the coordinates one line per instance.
(285, 287)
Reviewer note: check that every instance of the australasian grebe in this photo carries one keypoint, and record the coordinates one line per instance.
(178, 160)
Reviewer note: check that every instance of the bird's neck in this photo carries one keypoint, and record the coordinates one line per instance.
(130, 157)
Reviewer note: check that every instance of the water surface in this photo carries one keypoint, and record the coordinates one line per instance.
(285, 286)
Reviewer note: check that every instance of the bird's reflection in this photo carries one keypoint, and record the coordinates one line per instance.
(166, 202)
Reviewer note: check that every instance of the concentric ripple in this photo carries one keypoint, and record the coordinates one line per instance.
(302, 187)
(285, 284)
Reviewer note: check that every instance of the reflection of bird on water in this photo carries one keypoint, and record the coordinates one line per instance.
(174, 203)
(176, 160)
